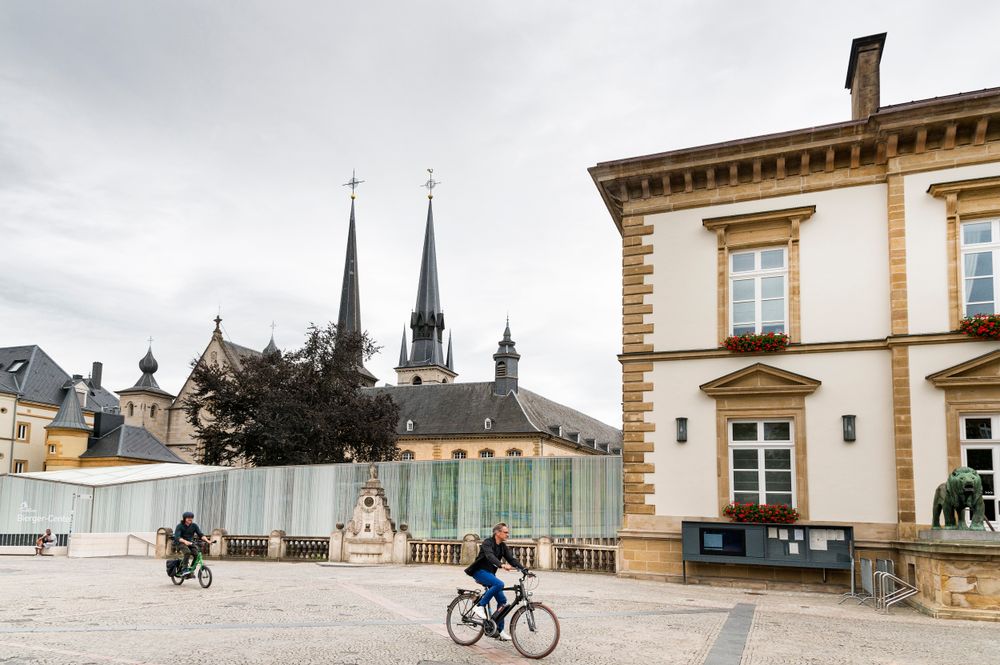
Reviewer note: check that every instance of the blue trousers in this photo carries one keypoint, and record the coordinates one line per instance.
(495, 590)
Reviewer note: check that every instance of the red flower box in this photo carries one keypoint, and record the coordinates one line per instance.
(754, 343)
(984, 326)
(761, 513)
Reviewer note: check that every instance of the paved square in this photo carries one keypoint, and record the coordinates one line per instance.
(125, 610)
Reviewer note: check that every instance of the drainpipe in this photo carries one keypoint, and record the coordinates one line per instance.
(13, 430)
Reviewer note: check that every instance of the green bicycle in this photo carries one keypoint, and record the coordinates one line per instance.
(197, 568)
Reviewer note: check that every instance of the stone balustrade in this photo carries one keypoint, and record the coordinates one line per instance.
(600, 556)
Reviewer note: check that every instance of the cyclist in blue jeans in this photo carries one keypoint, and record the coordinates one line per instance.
(493, 554)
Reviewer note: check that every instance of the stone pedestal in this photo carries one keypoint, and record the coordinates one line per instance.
(368, 537)
(956, 571)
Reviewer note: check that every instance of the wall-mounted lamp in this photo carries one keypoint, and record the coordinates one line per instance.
(682, 430)
(850, 427)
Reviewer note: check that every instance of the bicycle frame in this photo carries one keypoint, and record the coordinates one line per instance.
(520, 595)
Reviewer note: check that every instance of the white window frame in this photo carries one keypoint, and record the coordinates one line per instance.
(409, 425)
(407, 456)
(757, 275)
(488, 424)
(993, 247)
(20, 466)
(23, 429)
(455, 454)
(483, 455)
(16, 366)
(760, 445)
(992, 444)
(511, 451)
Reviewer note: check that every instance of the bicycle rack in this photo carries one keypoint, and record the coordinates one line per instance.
(890, 590)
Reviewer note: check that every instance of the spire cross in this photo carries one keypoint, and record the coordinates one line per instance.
(430, 184)
(353, 184)
(273, 326)
(150, 341)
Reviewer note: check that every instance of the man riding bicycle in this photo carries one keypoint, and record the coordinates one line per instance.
(184, 540)
(493, 554)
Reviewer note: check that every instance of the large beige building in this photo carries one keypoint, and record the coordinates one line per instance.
(866, 241)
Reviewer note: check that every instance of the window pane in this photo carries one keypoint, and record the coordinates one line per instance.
(743, 312)
(978, 428)
(979, 264)
(778, 458)
(772, 287)
(980, 460)
(772, 258)
(746, 498)
(775, 499)
(745, 481)
(980, 308)
(743, 330)
(745, 432)
(773, 310)
(987, 484)
(991, 512)
(743, 262)
(979, 289)
(778, 481)
(975, 233)
(744, 459)
(743, 289)
(777, 431)
(773, 327)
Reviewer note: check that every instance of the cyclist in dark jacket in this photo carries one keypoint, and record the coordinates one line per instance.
(184, 539)
(493, 554)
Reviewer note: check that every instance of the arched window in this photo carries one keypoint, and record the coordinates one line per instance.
(501, 368)
(131, 409)
(417, 381)
(488, 423)
(152, 411)
(409, 425)
(513, 452)
(406, 455)
(486, 453)
(458, 454)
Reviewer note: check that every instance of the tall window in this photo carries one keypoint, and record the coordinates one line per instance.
(152, 411)
(760, 452)
(409, 425)
(758, 291)
(980, 439)
(22, 431)
(980, 243)
(20, 466)
(131, 409)
(458, 454)
(488, 423)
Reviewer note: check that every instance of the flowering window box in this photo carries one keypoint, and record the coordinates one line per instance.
(754, 343)
(983, 326)
(761, 513)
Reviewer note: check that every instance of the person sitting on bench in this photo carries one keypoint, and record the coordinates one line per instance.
(45, 541)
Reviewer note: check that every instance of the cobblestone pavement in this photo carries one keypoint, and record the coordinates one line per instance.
(118, 610)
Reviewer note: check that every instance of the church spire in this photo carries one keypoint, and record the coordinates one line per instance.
(402, 350)
(505, 360)
(449, 364)
(349, 320)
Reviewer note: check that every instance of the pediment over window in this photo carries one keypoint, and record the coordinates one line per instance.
(981, 371)
(761, 379)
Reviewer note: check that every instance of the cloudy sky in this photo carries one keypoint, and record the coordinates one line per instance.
(159, 160)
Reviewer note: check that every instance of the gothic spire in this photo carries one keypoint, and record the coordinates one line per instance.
(427, 319)
(449, 364)
(402, 350)
(349, 320)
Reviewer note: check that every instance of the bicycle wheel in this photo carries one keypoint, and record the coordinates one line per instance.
(460, 625)
(177, 579)
(534, 630)
(204, 577)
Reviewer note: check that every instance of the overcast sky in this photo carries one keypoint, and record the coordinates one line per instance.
(159, 160)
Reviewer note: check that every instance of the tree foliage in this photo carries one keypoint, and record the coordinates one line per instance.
(302, 407)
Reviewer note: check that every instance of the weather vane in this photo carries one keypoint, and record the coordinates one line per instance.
(353, 184)
(430, 184)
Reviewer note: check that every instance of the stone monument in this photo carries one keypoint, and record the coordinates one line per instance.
(368, 537)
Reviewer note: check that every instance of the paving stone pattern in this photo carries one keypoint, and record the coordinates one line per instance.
(125, 610)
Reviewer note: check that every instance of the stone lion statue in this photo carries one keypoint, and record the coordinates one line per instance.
(963, 489)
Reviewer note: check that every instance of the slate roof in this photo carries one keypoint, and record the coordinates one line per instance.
(240, 352)
(461, 408)
(42, 380)
(70, 415)
(131, 442)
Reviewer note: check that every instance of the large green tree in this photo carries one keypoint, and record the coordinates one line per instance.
(305, 406)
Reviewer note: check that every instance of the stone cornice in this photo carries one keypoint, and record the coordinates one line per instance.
(838, 155)
(788, 215)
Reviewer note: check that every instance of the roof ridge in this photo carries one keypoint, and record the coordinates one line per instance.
(525, 412)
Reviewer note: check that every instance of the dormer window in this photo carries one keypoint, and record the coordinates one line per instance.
(16, 365)
(488, 423)
(556, 429)
(574, 436)
(409, 425)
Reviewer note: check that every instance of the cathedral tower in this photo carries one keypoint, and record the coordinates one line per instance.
(349, 319)
(505, 361)
(427, 362)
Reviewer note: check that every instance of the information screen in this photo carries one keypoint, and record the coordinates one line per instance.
(723, 542)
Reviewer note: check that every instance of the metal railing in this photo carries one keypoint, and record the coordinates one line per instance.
(146, 543)
(890, 590)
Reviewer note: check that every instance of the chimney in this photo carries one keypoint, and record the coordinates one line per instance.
(95, 374)
(862, 75)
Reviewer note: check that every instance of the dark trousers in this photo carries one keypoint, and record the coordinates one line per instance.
(189, 552)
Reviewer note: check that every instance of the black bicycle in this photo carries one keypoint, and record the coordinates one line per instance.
(534, 628)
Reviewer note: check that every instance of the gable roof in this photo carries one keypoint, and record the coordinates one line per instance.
(41, 380)
(131, 442)
(760, 379)
(980, 371)
(440, 409)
